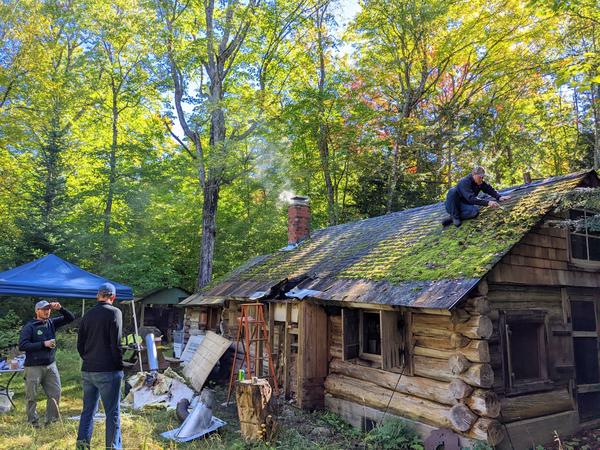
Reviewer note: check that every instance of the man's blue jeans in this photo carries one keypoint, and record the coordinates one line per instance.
(105, 386)
(458, 209)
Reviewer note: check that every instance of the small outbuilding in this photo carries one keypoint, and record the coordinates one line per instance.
(159, 309)
(491, 330)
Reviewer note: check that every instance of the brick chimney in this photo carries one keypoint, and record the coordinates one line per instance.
(298, 220)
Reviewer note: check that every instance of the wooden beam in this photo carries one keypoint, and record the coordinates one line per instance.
(438, 391)
(287, 350)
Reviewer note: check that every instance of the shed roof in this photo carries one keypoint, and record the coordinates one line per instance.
(164, 296)
(403, 258)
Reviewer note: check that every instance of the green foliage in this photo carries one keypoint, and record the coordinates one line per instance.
(377, 115)
(480, 445)
(10, 326)
(393, 434)
(334, 422)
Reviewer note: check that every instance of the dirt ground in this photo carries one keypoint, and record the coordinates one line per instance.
(586, 440)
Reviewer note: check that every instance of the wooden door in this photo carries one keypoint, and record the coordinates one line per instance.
(584, 315)
(313, 353)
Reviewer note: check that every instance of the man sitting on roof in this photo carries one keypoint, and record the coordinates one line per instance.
(462, 201)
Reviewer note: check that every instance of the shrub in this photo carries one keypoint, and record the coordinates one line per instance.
(394, 434)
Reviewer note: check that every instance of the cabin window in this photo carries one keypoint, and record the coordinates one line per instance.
(525, 352)
(584, 242)
(370, 327)
(375, 338)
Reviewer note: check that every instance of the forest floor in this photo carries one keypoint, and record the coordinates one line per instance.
(141, 429)
(295, 429)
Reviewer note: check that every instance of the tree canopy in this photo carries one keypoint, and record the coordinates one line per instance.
(156, 142)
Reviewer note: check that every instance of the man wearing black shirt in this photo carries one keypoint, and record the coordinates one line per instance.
(99, 345)
(38, 341)
(462, 201)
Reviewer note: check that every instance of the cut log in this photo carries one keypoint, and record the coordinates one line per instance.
(535, 405)
(437, 391)
(477, 327)
(457, 340)
(478, 305)
(484, 402)
(474, 351)
(374, 396)
(462, 417)
(488, 430)
(482, 288)
(458, 364)
(253, 398)
(459, 315)
(479, 375)
(435, 312)
(451, 342)
(459, 389)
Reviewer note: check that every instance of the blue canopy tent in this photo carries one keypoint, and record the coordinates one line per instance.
(52, 276)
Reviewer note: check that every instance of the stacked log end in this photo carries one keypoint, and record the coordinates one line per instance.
(453, 348)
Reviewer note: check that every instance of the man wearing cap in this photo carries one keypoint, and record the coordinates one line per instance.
(99, 345)
(462, 201)
(38, 341)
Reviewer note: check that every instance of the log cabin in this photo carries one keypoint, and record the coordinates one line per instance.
(490, 330)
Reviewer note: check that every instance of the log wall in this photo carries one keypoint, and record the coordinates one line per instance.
(537, 275)
(451, 381)
(191, 320)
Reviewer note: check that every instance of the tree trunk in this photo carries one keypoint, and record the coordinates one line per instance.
(323, 129)
(393, 178)
(209, 232)
(596, 108)
(112, 178)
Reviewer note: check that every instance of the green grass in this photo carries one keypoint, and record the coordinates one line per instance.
(141, 429)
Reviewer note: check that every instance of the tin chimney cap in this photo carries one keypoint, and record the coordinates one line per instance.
(299, 200)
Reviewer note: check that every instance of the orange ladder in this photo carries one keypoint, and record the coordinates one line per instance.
(252, 333)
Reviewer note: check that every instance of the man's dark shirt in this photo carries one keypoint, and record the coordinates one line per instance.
(468, 190)
(35, 332)
(99, 339)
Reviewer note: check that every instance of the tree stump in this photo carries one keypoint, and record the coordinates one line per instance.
(254, 405)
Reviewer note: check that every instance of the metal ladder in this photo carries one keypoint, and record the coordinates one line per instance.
(253, 334)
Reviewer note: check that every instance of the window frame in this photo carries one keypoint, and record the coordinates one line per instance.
(362, 345)
(529, 317)
(389, 359)
(585, 263)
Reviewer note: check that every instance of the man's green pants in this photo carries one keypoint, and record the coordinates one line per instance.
(48, 378)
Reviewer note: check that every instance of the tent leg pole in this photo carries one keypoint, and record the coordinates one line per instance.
(137, 346)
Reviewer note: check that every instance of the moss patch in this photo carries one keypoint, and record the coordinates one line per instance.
(412, 246)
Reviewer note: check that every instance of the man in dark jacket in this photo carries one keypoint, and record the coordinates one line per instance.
(462, 201)
(99, 345)
(38, 341)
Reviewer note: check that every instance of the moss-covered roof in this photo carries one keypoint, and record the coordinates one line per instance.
(407, 251)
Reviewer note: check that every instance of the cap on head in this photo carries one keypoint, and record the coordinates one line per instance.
(42, 304)
(107, 290)
(478, 170)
